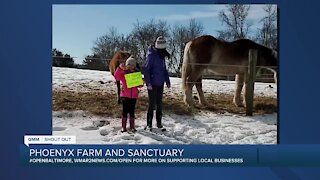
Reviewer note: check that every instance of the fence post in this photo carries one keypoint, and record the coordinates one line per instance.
(250, 79)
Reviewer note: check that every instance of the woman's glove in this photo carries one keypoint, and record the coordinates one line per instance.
(149, 87)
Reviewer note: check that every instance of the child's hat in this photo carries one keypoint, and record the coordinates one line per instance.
(131, 61)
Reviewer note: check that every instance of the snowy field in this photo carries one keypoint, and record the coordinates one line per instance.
(204, 128)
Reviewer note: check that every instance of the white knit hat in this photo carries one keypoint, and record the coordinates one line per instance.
(161, 43)
(131, 61)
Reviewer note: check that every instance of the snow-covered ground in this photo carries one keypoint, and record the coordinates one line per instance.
(204, 128)
(89, 80)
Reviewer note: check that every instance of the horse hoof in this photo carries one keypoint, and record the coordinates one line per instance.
(205, 104)
(244, 104)
(238, 104)
(190, 109)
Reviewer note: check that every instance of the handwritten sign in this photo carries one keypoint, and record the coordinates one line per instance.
(134, 79)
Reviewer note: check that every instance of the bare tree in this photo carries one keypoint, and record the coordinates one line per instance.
(130, 44)
(195, 29)
(177, 40)
(145, 34)
(106, 45)
(268, 34)
(179, 36)
(235, 20)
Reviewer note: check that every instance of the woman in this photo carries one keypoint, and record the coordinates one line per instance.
(155, 75)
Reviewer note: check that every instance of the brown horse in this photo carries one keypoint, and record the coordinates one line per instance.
(118, 57)
(223, 58)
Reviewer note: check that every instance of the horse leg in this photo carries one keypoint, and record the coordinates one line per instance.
(190, 82)
(239, 85)
(244, 92)
(188, 94)
(118, 91)
(202, 99)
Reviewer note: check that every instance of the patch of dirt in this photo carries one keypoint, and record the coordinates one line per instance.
(105, 104)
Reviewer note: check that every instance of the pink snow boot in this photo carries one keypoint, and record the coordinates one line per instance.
(124, 124)
(132, 128)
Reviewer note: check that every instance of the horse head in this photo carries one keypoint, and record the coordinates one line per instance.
(268, 58)
(123, 55)
(118, 57)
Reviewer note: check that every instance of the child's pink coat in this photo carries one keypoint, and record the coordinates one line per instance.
(126, 92)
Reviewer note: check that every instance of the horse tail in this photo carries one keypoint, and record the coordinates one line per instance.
(186, 67)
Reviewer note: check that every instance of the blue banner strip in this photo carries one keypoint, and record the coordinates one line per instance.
(170, 155)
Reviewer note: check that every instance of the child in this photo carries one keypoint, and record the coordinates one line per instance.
(129, 95)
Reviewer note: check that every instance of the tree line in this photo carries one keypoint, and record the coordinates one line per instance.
(234, 19)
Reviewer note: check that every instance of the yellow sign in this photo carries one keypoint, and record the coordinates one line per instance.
(134, 79)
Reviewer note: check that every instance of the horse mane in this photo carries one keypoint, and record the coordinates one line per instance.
(251, 43)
